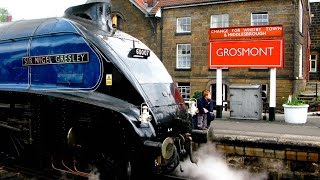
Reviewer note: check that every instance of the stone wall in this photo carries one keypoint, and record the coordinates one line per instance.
(285, 160)
(280, 163)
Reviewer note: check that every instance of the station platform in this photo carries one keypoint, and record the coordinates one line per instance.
(278, 131)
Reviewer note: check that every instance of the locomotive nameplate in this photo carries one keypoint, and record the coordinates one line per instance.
(56, 59)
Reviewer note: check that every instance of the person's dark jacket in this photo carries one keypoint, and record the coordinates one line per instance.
(203, 103)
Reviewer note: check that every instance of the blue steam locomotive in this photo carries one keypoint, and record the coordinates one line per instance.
(78, 95)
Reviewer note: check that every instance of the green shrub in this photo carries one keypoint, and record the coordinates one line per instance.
(294, 101)
(197, 94)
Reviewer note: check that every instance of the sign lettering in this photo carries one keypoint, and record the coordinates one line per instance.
(246, 32)
(56, 59)
(246, 53)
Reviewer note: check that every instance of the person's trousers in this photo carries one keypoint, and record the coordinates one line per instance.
(210, 118)
(202, 120)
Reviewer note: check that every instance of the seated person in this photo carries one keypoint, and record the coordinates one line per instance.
(205, 107)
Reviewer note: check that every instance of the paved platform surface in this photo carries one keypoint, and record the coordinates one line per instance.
(277, 131)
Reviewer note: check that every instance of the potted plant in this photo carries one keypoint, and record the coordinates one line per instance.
(295, 110)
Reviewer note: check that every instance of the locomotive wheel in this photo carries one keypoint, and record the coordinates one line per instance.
(113, 167)
(110, 163)
(171, 164)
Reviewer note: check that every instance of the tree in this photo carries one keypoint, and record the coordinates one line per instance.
(3, 14)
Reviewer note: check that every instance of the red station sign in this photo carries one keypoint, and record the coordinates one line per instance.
(266, 53)
(246, 47)
(246, 32)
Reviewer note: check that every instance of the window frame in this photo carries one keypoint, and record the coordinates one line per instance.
(179, 28)
(187, 56)
(256, 23)
(185, 90)
(315, 63)
(219, 24)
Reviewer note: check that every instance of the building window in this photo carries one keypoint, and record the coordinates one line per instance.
(300, 16)
(183, 56)
(313, 63)
(219, 21)
(184, 25)
(184, 90)
(259, 19)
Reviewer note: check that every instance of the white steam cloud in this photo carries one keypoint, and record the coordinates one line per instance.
(212, 166)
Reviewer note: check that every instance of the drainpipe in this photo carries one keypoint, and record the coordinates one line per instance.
(294, 46)
(161, 29)
(153, 26)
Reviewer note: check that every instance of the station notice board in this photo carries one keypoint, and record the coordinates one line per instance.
(251, 47)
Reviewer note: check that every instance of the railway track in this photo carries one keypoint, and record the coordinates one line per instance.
(20, 173)
(7, 173)
(171, 177)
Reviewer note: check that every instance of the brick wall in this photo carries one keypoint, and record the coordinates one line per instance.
(137, 24)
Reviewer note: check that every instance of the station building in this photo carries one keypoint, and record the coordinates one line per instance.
(315, 42)
(177, 31)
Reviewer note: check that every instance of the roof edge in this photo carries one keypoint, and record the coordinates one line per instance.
(144, 11)
(200, 4)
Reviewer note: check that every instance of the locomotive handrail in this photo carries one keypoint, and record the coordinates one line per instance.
(36, 36)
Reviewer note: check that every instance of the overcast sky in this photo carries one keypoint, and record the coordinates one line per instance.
(32, 9)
